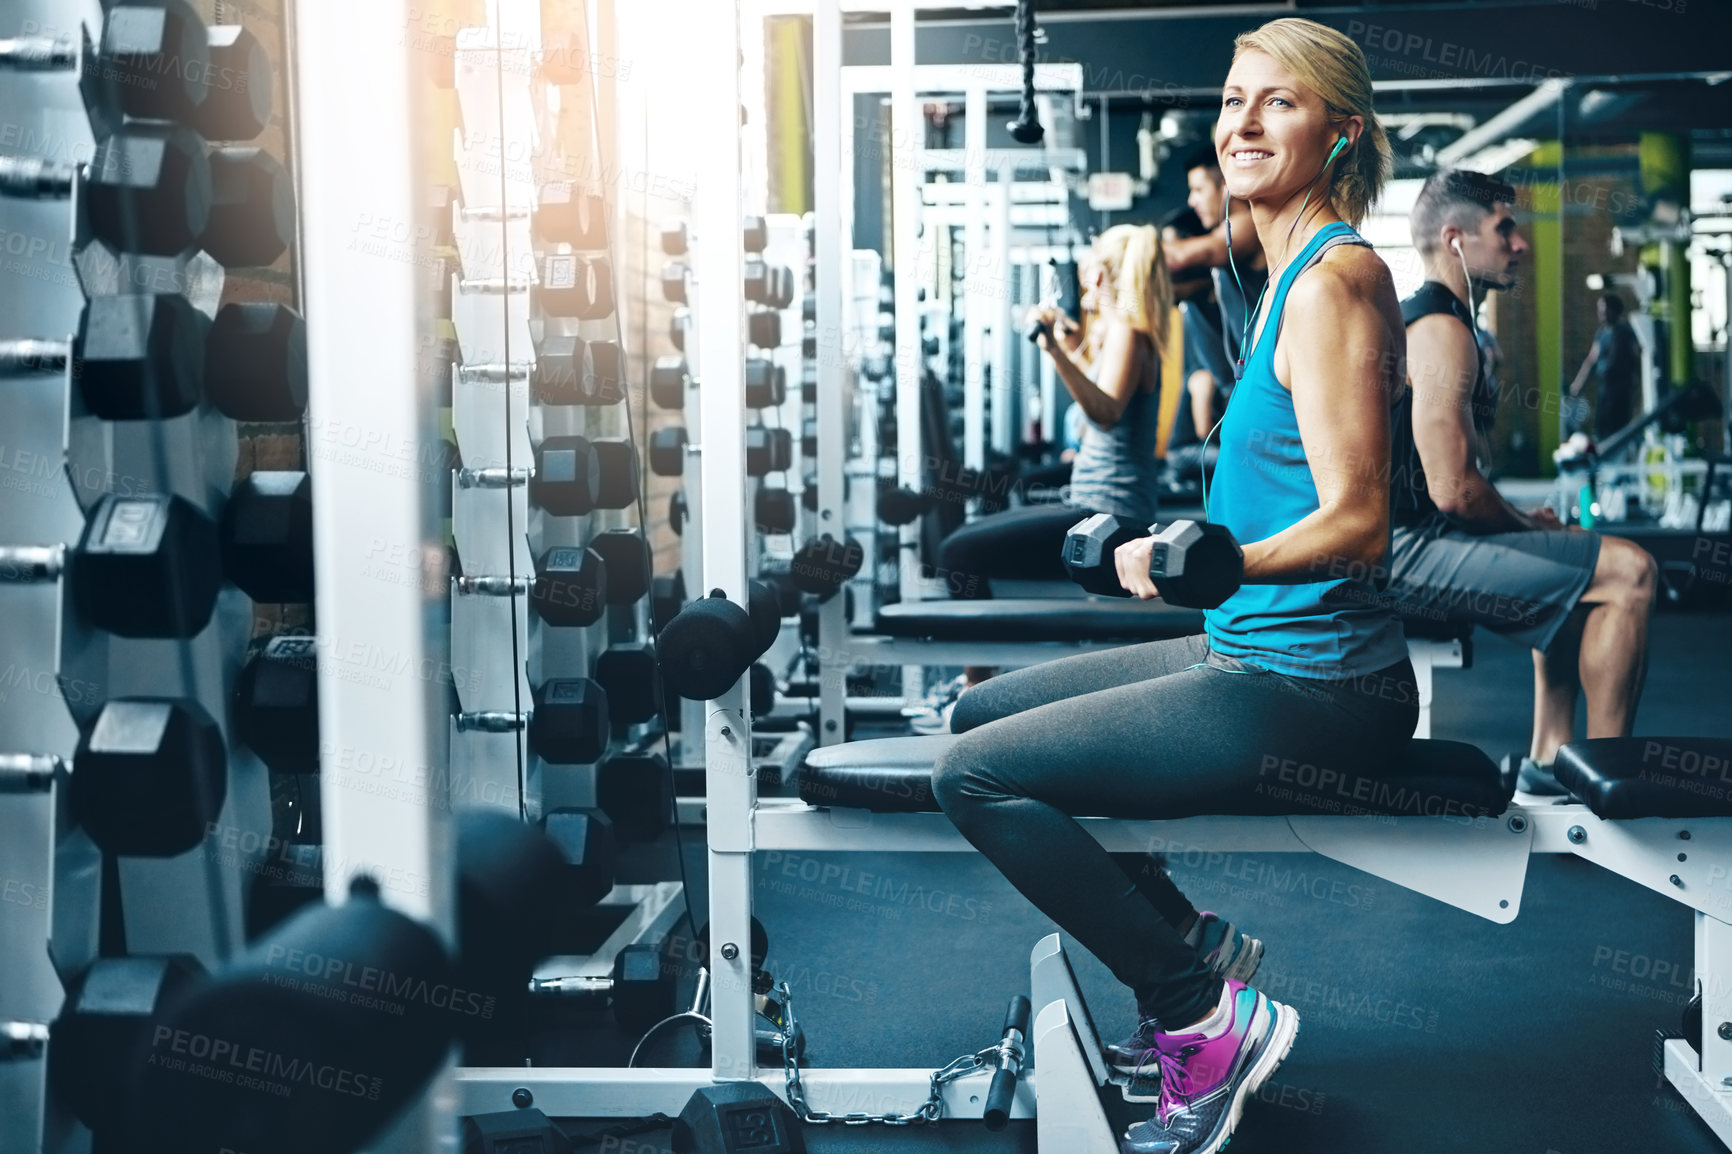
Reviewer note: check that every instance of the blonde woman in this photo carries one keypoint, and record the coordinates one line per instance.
(1110, 364)
(1304, 665)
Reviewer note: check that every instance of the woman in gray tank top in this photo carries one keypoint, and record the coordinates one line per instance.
(1110, 364)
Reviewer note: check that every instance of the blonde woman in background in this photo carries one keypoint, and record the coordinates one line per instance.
(1110, 363)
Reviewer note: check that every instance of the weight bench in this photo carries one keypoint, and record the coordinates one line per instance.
(1652, 809)
(1027, 631)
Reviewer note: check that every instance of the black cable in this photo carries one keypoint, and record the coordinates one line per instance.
(1026, 129)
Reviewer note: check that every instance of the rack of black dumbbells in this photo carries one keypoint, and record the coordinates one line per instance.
(557, 713)
(145, 558)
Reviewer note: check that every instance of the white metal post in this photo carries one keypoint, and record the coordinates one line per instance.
(380, 694)
(830, 245)
(974, 299)
(906, 138)
(1004, 375)
(719, 266)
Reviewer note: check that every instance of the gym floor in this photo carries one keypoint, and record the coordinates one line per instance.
(1425, 1028)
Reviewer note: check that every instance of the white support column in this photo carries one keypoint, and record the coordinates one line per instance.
(831, 245)
(1004, 376)
(730, 789)
(975, 277)
(367, 322)
(906, 137)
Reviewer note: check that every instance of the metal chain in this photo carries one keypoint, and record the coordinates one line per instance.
(928, 1111)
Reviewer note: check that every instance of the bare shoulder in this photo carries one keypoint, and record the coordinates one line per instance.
(1347, 274)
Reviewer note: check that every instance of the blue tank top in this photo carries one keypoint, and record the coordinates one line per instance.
(1333, 629)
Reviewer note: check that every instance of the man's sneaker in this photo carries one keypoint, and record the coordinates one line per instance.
(1226, 952)
(1206, 1079)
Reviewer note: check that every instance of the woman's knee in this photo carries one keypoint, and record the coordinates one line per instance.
(951, 775)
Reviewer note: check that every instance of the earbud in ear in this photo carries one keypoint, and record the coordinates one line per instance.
(1455, 243)
(1340, 143)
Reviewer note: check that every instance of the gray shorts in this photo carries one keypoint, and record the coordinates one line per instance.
(1521, 585)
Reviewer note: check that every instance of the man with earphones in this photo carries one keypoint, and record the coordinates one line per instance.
(1460, 552)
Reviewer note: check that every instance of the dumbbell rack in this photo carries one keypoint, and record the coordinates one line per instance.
(59, 671)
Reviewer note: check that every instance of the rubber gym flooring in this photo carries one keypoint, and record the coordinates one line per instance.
(1425, 1028)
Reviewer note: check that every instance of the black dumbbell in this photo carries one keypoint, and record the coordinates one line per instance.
(667, 598)
(104, 1023)
(147, 189)
(505, 1131)
(252, 208)
(668, 380)
(764, 328)
(754, 234)
(667, 451)
(567, 477)
(768, 284)
(627, 556)
(567, 723)
(573, 286)
(570, 586)
(572, 371)
(1196, 565)
(566, 215)
(679, 324)
(766, 383)
(277, 705)
(768, 450)
(149, 776)
(674, 274)
(154, 63)
(585, 840)
(774, 509)
(678, 512)
(635, 790)
(675, 238)
(823, 565)
(267, 536)
(620, 482)
(627, 673)
(237, 104)
(155, 356)
(899, 506)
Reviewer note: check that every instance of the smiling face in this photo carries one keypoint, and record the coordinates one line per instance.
(1273, 134)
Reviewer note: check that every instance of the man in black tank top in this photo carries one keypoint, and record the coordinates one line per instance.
(1460, 552)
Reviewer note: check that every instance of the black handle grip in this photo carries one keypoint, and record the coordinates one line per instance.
(1002, 1092)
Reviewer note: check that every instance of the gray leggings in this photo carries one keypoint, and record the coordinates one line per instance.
(1162, 730)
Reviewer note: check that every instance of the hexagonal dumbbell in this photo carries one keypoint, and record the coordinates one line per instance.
(572, 286)
(149, 776)
(1193, 564)
(774, 509)
(567, 723)
(585, 839)
(570, 586)
(635, 790)
(667, 451)
(572, 371)
(252, 212)
(153, 356)
(674, 274)
(675, 238)
(153, 63)
(668, 380)
(565, 214)
(766, 383)
(567, 476)
(627, 555)
(277, 705)
(267, 536)
(679, 324)
(768, 450)
(627, 672)
(620, 482)
(764, 328)
(104, 1022)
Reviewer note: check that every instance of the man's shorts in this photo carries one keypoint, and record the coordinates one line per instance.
(1521, 585)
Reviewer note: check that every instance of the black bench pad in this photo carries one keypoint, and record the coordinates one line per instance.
(1039, 619)
(1433, 779)
(1626, 777)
